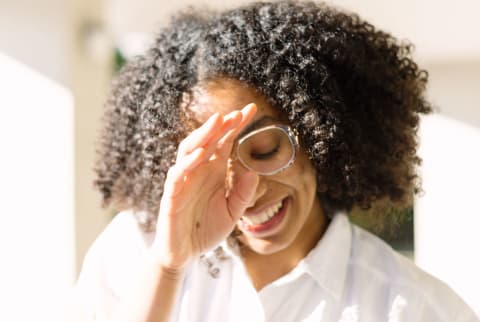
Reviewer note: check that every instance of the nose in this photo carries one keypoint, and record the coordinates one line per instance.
(236, 170)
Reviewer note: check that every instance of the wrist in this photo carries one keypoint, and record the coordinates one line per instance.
(170, 268)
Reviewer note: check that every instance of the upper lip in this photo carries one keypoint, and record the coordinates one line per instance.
(261, 209)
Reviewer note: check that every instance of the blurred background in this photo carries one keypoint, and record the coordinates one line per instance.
(57, 58)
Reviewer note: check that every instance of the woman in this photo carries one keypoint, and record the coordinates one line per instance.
(235, 147)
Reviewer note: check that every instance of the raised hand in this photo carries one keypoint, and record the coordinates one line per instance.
(195, 212)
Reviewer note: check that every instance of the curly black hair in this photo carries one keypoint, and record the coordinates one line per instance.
(352, 92)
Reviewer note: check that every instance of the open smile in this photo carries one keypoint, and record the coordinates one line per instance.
(266, 220)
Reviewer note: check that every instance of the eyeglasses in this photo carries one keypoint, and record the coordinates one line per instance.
(268, 150)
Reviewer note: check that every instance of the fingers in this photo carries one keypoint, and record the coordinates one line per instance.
(248, 112)
(241, 194)
(176, 174)
(231, 121)
(209, 133)
(215, 136)
(226, 143)
(200, 136)
(217, 130)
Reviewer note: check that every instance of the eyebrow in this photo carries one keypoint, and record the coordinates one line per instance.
(256, 124)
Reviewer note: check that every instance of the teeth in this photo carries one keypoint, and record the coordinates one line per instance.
(264, 216)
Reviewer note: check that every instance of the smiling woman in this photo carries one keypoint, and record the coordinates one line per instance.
(235, 148)
(284, 213)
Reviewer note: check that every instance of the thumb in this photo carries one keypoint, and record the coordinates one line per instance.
(241, 194)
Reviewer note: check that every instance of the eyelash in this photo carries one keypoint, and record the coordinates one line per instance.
(263, 156)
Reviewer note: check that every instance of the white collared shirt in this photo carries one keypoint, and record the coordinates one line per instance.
(350, 276)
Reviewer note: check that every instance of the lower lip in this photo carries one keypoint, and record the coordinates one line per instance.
(271, 223)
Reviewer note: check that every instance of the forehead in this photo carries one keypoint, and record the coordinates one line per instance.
(227, 95)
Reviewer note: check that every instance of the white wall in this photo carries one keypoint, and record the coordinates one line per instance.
(36, 193)
(447, 216)
(51, 95)
(37, 160)
(441, 30)
(36, 33)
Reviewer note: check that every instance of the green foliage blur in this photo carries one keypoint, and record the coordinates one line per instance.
(119, 60)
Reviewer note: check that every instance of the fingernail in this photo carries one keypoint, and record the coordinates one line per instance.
(248, 107)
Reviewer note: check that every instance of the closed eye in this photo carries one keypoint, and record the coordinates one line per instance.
(266, 155)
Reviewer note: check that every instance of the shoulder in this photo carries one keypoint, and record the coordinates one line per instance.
(121, 237)
(114, 256)
(396, 277)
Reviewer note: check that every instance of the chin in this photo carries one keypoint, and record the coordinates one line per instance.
(263, 247)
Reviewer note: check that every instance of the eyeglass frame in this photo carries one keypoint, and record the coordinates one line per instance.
(292, 137)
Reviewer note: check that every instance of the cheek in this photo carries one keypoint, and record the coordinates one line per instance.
(301, 178)
(308, 175)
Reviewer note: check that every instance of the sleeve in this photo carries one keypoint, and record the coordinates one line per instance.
(466, 314)
(92, 297)
(443, 304)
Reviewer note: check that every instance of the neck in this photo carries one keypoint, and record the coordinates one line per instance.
(266, 268)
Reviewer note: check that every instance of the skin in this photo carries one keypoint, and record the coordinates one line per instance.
(200, 172)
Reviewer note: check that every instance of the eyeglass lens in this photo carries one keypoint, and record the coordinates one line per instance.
(266, 151)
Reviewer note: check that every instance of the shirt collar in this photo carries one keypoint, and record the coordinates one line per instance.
(327, 262)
